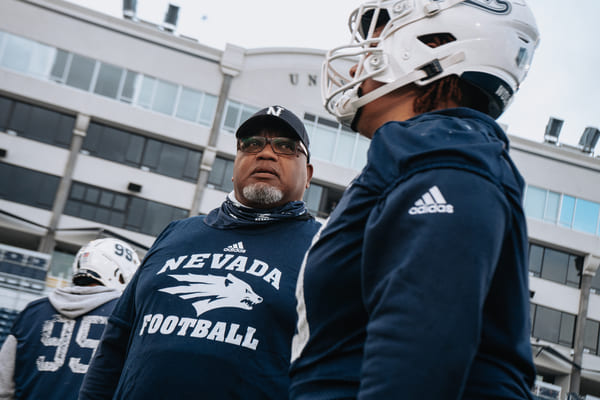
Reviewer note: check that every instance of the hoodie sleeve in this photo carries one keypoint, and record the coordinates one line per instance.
(102, 377)
(8, 355)
(425, 276)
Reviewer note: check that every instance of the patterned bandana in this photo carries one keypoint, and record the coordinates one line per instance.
(232, 214)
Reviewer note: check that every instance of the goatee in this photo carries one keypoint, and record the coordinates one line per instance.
(262, 194)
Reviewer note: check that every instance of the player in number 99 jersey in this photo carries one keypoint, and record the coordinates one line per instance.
(53, 340)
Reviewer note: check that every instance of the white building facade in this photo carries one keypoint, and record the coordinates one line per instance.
(114, 127)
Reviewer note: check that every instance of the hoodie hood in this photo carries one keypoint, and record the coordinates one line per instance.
(451, 137)
(74, 301)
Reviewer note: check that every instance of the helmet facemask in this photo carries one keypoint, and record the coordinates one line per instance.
(492, 50)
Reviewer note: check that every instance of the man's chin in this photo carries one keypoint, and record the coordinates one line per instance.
(262, 194)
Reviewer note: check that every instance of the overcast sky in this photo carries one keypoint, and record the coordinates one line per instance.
(563, 81)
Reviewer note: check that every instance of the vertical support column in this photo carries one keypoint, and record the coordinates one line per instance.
(590, 266)
(231, 65)
(49, 240)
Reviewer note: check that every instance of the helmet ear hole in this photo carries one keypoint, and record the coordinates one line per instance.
(434, 40)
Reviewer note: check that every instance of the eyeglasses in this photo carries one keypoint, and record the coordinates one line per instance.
(280, 145)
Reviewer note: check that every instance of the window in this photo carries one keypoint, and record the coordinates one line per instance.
(535, 202)
(28, 187)
(120, 210)
(108, 80)
(220, 174)
(552, 207)
(81, 71)
(36, 123)
(333, 142)
(312, 198)
(189, 104)
(6, 106)
(208, 110)
(196, 106)
(567, 211)
(322, 139)
(165, 95)
(586, 216)
(59, 66)
(555, 265)
(146, 91)
(553, 325)
(61, 265)
(321, 200)
(128, 90)
(26, 56)
(171, 160)
(590, 336)
(596, 283)
(236, 114)
(49, 63)
(138, 151)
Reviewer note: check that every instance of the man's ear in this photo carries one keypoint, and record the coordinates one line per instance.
(309, 174)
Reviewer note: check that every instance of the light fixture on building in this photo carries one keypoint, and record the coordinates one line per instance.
(134, 187)
(589, 139)
(3, 153)
(553, 130)
(129, 9)
(171, 18)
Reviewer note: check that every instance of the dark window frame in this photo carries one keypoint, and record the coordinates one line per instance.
(136, 214)
(138, 151)
(38, 123)
(560, 331)
(541, 266)
(27, 186)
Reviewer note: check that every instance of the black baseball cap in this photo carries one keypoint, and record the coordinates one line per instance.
(274, 115)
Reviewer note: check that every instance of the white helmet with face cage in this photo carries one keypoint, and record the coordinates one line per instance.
(492, 45)
(109, 262)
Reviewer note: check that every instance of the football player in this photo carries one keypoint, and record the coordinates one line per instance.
(52, 341)
(417, 287)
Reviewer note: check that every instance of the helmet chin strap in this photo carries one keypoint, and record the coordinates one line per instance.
(353, 101)
(354, 123)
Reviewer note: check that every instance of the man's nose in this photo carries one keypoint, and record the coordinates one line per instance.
(267, 152)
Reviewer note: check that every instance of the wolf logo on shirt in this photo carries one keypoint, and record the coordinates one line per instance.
(214, 292)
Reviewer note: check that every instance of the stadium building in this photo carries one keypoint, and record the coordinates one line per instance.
(116, 126)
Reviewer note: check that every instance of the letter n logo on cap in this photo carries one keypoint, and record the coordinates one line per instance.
(276, 111)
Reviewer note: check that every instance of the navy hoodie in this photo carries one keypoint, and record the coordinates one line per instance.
(417, 287)
(210, 313)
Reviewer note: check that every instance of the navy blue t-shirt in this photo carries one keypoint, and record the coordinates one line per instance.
(210, 314)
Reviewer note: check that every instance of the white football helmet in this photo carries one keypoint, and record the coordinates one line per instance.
(493, 48)
(110, 262)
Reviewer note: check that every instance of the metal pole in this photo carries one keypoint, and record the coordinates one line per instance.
(49, 240)
(232, 62)
(584, 298)
(209, 154)
(590, 266)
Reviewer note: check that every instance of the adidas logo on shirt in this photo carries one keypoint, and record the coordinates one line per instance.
(432, 202)
(235, 248)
